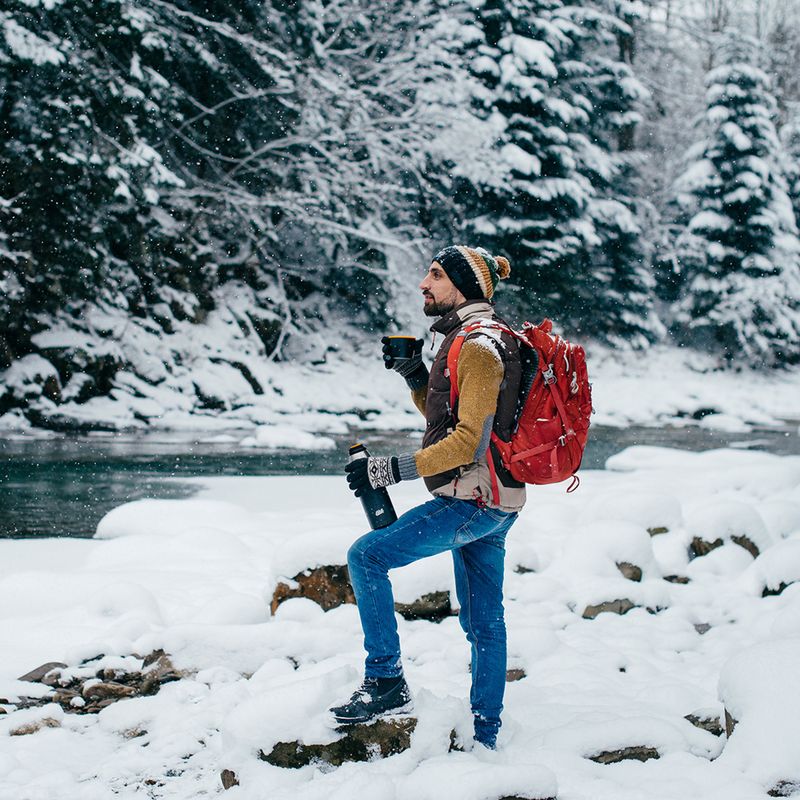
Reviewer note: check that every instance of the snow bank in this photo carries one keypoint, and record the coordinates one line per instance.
(760, 691)
(195, 578)
(211, 377)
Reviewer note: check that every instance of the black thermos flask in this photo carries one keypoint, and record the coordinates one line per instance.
(377, 504)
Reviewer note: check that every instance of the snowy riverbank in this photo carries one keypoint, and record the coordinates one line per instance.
(297, 405)
(195, 578)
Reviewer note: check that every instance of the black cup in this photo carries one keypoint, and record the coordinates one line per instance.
(398, 347)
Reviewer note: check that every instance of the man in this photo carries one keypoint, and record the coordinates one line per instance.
(475, 500)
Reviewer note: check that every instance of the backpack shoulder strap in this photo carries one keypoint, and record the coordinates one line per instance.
(455, 351)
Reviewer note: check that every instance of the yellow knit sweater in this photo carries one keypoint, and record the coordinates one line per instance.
(480, 373)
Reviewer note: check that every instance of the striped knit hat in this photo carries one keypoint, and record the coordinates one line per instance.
(474, 272)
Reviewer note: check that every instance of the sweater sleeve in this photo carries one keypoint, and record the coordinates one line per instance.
(420, 397)
(480, 373)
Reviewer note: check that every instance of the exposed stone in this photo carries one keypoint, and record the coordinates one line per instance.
(456, 742)
(327, 586)
(656, 531)
(637, 753)
(710, 724)
(524, 797)
(515, 674)
(702, 627)
(523, 570)
(677, 579)
(612, 606)
(770, 592)
(748, 544)
(40, 673)
(630, 571)
(700, 547)
(103, 691)
(730, 723)
(229, 779)
(359, 743)
(33, 727)
(433, 607)
(785, 789)
(107, 686)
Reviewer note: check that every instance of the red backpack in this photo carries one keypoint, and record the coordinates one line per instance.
(553, 410)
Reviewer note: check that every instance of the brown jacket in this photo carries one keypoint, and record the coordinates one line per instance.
(453, 455)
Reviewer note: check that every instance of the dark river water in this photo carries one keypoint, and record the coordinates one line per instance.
(64, 486)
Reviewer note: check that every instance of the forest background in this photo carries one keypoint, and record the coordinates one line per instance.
(192, 193)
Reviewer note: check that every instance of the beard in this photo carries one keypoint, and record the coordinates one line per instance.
(438, 308)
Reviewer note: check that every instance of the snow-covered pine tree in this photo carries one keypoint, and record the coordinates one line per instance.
(555, 201)
(739, 253)
(790, 138)
(600, 61)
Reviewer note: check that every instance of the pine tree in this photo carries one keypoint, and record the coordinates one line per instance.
(740, 294)
(790, 138)
(555, 202)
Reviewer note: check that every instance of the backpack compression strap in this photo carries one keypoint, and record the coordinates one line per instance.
(452, 369)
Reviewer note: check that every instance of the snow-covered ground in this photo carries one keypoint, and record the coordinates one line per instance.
(195, 577)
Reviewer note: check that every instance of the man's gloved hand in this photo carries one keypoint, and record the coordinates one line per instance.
(374, 472)
(412, 369)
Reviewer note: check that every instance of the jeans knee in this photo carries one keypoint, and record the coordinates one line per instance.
(361, 552)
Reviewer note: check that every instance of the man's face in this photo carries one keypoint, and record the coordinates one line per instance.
(440, 293)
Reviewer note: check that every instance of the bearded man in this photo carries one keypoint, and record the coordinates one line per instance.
(475, 501)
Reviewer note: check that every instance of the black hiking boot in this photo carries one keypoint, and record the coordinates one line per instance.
(374, 698)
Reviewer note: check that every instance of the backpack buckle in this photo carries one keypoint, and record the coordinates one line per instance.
(573, 387)
(562, 440)
(549, 375)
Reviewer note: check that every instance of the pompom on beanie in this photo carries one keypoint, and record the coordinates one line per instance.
(474, 271)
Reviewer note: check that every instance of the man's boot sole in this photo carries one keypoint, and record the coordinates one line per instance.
(400, 711)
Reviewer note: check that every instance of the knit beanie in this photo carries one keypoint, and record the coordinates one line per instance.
(474, 272)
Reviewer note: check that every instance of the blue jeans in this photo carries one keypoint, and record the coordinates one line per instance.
(476, 536)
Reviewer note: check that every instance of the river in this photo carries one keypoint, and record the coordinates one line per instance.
(63, 486)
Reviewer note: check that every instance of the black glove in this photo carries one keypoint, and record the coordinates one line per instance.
(412, 369)
(372, 472)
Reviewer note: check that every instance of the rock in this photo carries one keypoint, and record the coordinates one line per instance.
(381, 739)
(456, 742)
(327, 586)
(630, 571)
(748, 544)
(658, 530)
(770, 592)
(523, 797)
(522, 570)
(433, 607)
(612, 606)
(39, 674)
(229, 779)
(33, 727)
(784, 789)
(82, 695)
(103, 691)
(700, 547)
(705, 723)
(638, 753)
(730, 724)
(702, 627)
(677, 579)
(515, 674)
